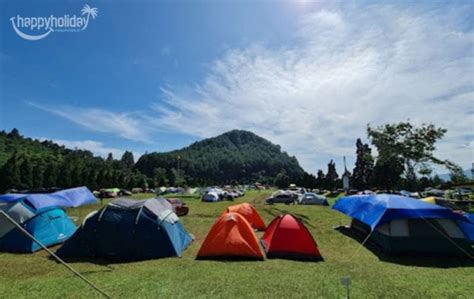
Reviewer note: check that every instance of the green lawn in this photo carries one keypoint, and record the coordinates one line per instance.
(37, 276)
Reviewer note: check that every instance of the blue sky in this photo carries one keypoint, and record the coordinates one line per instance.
(158, 75)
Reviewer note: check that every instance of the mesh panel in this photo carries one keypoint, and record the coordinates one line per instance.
(399, 228)
(18, 212)
(451, 228)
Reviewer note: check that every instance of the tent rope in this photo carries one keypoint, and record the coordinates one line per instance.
(24, 231)
(449, 239)
(361, 245)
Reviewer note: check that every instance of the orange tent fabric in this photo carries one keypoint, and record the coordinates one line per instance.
(231, 237)
(250, 214)
(287, 237)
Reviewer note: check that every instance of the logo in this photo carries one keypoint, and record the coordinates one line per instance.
(46, 25)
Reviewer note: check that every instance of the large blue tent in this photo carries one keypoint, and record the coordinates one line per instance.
(126, 229)
(377, 209)
(403, 225)
(69, 198)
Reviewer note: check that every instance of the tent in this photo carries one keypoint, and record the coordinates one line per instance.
(50, 226)
(402, 225)
(70, 198)
(128, 230)
(211, 197)
(287, 237)
(231, 237)
(250, 214)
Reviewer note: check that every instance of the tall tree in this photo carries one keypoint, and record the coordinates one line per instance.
(456, 174)
(50, 175)
(127, 159)
(14, 134)
(331, 176)
(10, 174)
(320, 178)
(387, 173)
(26, 171)
(364, 167)
(282, 180)
(38, 174)
(405, 143)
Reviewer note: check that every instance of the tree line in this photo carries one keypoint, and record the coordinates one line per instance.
(405, 158)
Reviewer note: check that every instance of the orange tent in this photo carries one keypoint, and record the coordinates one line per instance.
(250, 214)
(231, 237)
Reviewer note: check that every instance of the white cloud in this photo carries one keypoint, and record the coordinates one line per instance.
(377, 64)
(346, 67)
(125, 125)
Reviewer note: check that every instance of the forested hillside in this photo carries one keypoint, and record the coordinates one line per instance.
(233, 157)
(26, 163)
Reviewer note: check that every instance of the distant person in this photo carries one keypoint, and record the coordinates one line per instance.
(101, 196)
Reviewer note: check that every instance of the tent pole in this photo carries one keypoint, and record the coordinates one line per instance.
(24, 231)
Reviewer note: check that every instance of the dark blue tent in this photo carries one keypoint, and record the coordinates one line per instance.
(49, 225)
(405, 225)
(128, 230)
(69, 198)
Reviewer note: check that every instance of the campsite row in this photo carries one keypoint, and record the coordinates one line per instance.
(128, 229)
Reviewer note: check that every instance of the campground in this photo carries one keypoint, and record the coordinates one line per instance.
(372, 275)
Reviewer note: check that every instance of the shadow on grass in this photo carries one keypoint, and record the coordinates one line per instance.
(229, 259)
(433, 261)
(96, 261)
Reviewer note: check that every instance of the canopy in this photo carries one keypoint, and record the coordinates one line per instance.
(70, 198)
(374, 210)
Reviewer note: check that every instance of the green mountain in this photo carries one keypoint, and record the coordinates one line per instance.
(233, 157)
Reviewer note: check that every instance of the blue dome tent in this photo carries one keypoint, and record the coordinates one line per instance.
(41, 215)
(50, 225)
(127, 230)
(402, 225)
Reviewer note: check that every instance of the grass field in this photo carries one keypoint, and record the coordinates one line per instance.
(373, 276)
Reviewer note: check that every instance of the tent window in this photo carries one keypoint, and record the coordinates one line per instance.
(399, 228)
(451, 228)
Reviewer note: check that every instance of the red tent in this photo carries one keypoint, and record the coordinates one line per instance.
(287, 237)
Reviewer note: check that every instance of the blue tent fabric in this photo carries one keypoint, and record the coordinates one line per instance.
(70, 198)
(50, 226)
(126, 232)
(378, 209)
(468, 226)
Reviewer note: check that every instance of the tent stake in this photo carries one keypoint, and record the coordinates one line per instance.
(24, 231)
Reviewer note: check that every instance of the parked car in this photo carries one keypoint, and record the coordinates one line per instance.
(282, 197)
(124, 192)
(180, 207)
(313, 199)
